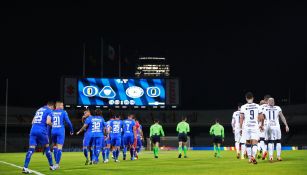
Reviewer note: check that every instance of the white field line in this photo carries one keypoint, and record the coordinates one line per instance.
(35, 172)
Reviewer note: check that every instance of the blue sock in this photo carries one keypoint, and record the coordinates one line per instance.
(55, 152)
(138, 149)
(117, 153)
(85, 152)
(132, 152)
(49, 155)
(58, 156)
(97, 152)
(91, 154)
(108, 153)
(28, 157)
(104, 153)
(125, 151)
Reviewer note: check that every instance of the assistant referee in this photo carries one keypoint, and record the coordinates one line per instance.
(183, 128)
(217, 131)
(156, 131)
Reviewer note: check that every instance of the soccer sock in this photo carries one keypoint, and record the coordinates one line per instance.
(138, 149)
(117, 153)
(179, 149)
(237, 145)
(28, 157)
(154, 151)
(125, 151)
(258, 146)
(49, 155)
(243, 148)
(91, 154)
(271, 149)
(185, 149)
(55, 152)
(132, 152)
(249, 150)
(214, 148)
(278, 149)
(254, 150)
(218, 150)
(97, 152)
(157, 150)
(85, 152)
(108, 153)
(58, 156)
(104, 153)
(114, 153)
(262, 146)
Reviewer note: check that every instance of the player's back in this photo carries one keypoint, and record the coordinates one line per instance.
(236, 118)
(96, 126)
(128, 125)
(116, 127)
(272, 115)
(58, 119)
(183, 127)
(39, 122)
(251, 112)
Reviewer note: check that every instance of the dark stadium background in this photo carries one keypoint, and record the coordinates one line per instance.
(218, 50)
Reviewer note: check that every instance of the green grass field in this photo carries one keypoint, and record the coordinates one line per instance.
(199, 162)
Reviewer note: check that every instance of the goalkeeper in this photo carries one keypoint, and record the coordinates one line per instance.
(156, 131)
(183, 128)
(217, 131)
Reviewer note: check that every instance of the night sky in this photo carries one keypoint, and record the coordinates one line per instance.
(218, 51)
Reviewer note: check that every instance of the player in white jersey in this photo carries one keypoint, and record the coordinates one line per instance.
(272, 113)
(263, 136)
(251, 115)
(235, 123)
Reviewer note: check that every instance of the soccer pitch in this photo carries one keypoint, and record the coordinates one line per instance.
(199, 162)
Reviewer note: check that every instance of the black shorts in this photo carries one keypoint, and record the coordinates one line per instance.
(182, 137)
(155, 139)
(217, 139)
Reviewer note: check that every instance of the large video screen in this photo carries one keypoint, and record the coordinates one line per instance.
(121, 92)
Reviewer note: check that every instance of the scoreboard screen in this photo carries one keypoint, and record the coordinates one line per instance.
(121, 92)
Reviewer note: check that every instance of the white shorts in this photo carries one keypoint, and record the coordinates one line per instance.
(274, 133)
(251, 134)
(237, 135)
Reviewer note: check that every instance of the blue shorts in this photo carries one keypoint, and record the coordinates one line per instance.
(38, 138)
(97, 141)
(116, 141)
(58, 138)
(87, 140)
(107, 141)
(128, 139)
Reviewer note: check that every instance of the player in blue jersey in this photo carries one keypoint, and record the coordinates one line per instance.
(129, 135)
(39, 136)
(87, 139)
(106, 151)
(95, 125)
(116, 126)
(59, 118)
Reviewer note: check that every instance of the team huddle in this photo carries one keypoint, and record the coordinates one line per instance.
(257, 129)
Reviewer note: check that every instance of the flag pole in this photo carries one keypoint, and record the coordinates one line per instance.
(119, 62)
(83, 63)
(6, 111)
(101, 58)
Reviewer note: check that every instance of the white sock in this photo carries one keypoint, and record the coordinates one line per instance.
(278, 149)
(249, 150)
(237, 147)
(263, 146)
(254, 150)
(258, 146)
(243, 149)
(271, 149)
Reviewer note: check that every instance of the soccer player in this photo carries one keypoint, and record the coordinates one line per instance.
(116, 127)
(95, 125)
(250, 116)
(129, 136)
(139, 139)
(183, 128)
(58, 119)
(235, 123)
(217, 131)
(107, 140)
(156, 131)
(87, 139)
(263, 136)
(273, 113)
(38, 135)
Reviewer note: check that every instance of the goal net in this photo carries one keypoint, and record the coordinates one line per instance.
(167, 143)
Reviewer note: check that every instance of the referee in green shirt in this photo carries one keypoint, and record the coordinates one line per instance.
(156, 131)
(183, 128)
(217, 131)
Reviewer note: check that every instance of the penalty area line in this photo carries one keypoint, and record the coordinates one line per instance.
(35, 172)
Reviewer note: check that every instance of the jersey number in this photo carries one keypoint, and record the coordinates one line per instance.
(96, 126)
(128, 126)
(273, 116)
(252, 116)
(38, 117)
(115, 128)
(56, 121)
